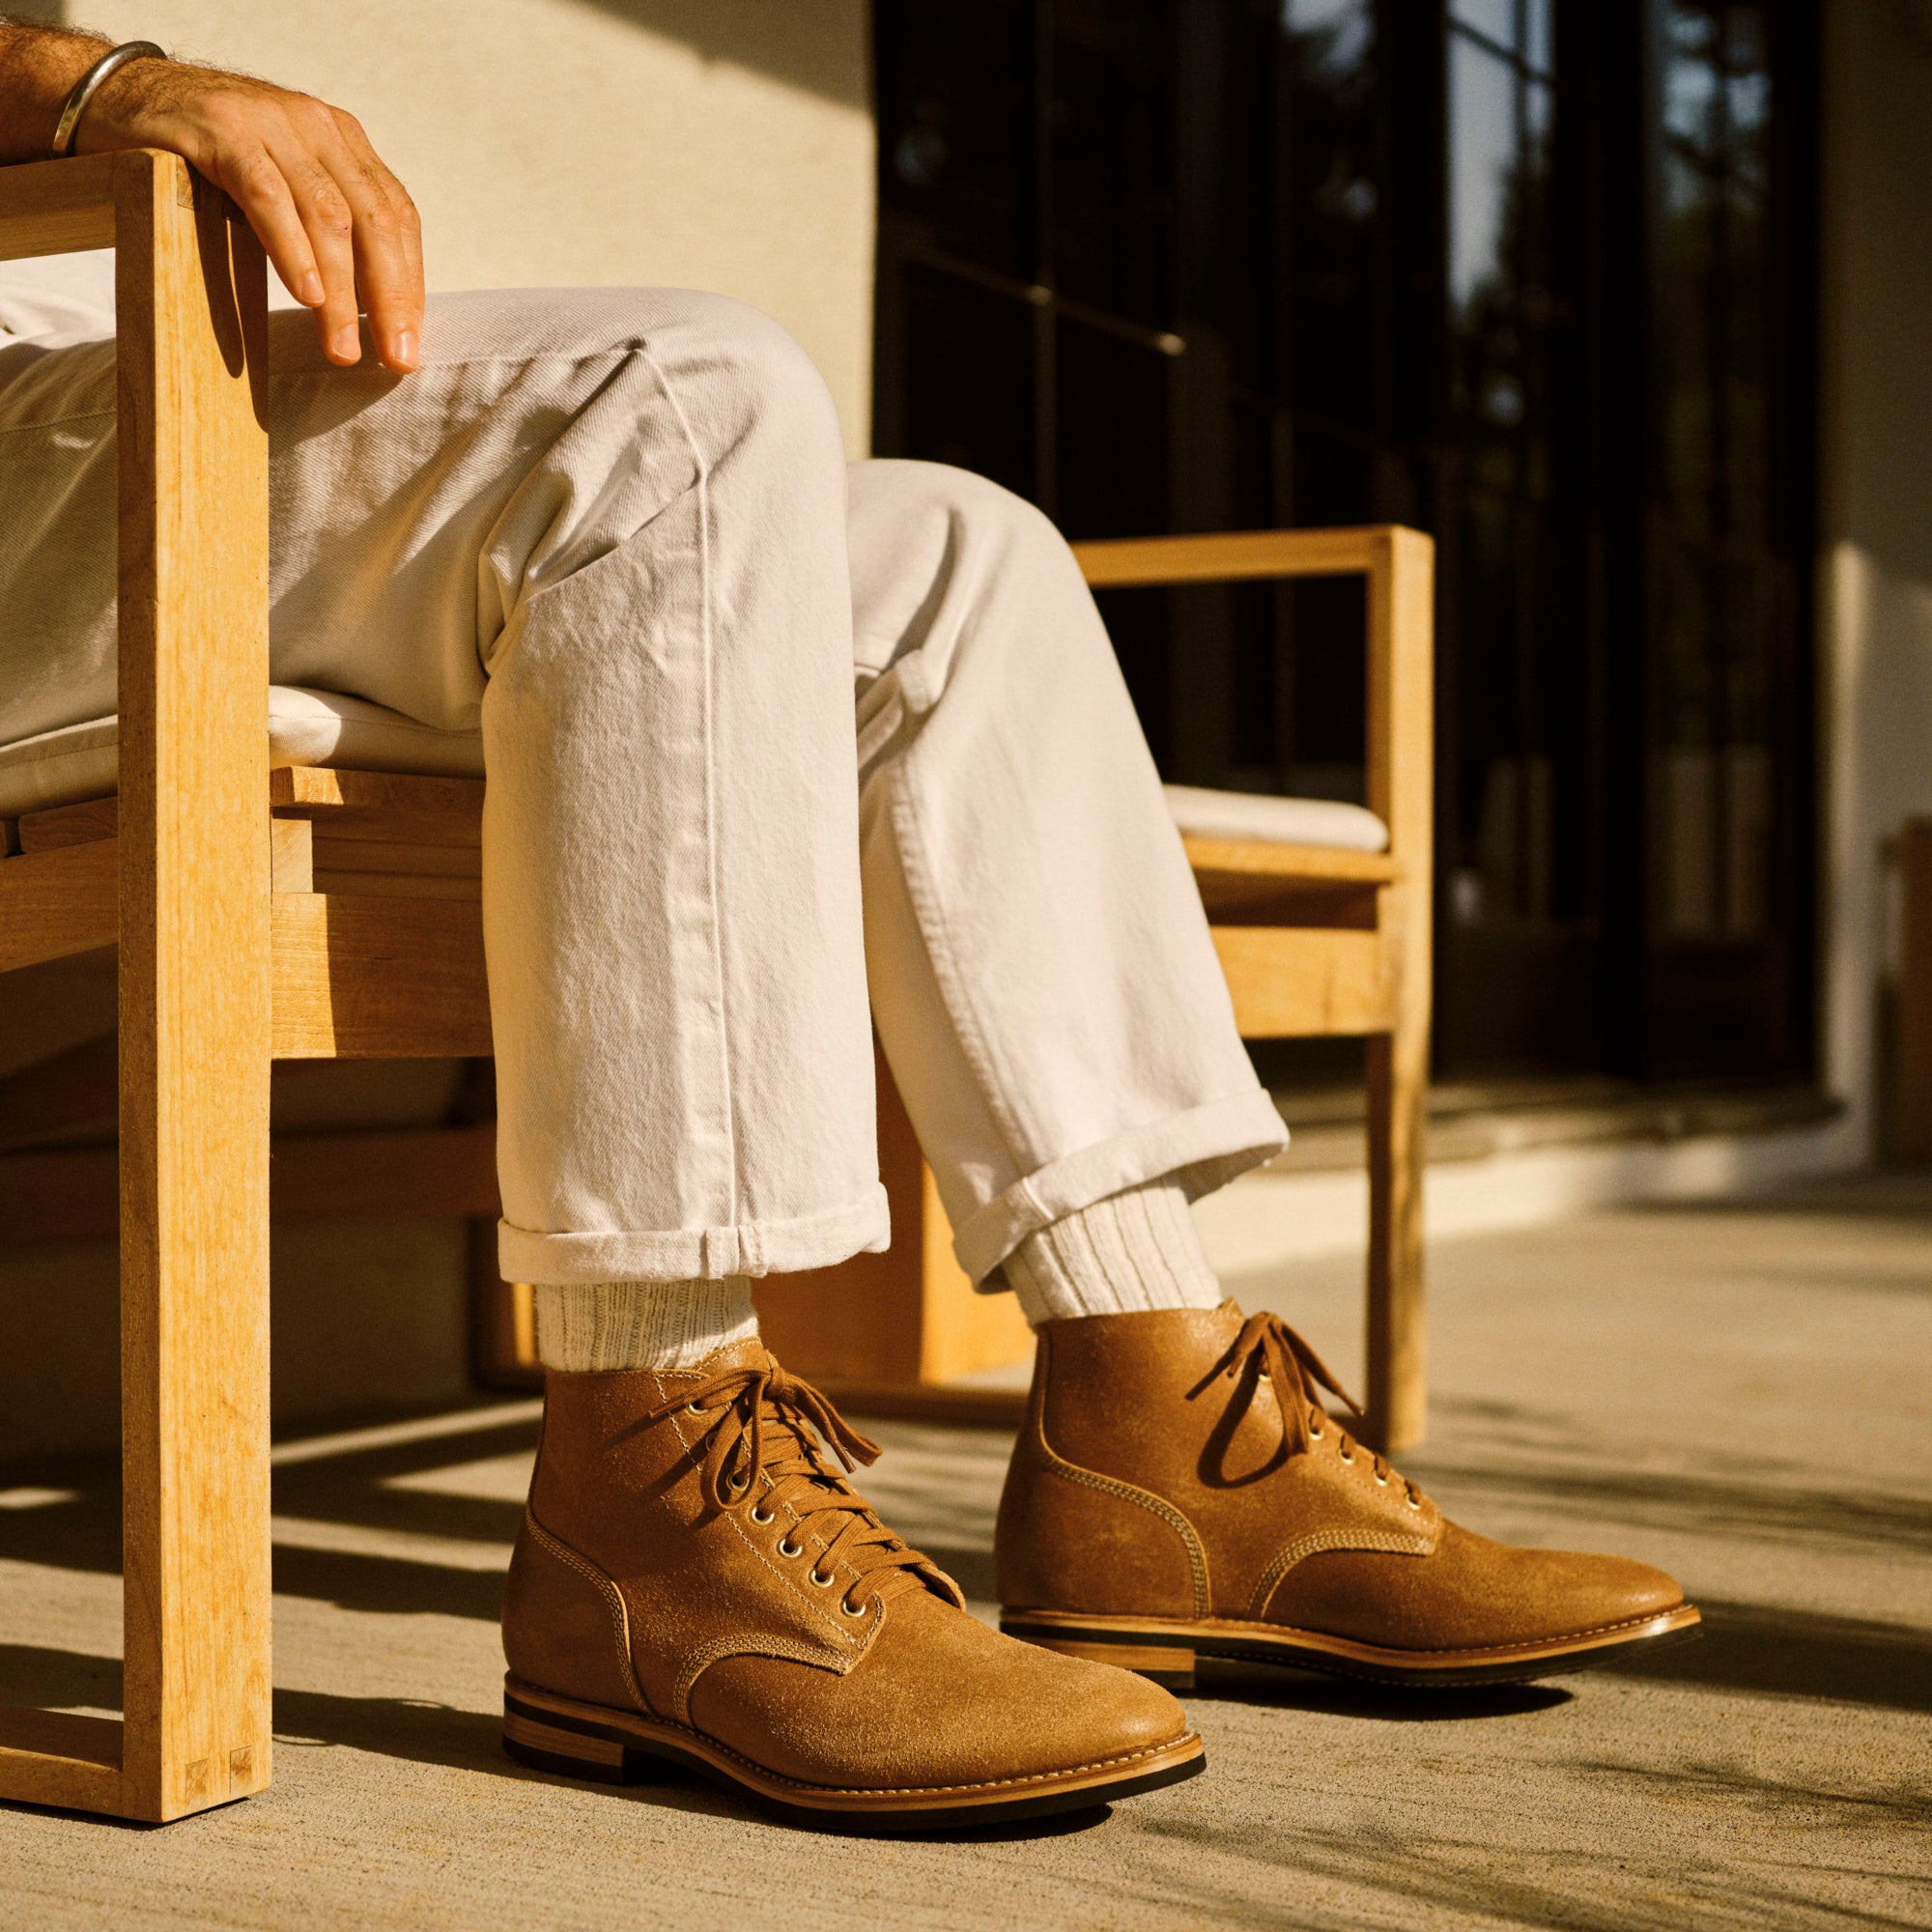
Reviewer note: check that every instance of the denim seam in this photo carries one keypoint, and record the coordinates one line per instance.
(707, 646)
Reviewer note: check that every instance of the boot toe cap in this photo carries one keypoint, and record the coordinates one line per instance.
(1471, 1594)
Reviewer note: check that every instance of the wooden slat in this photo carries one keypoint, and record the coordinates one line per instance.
(1259, 858)
(1292, 983)
(399, 886)
(457, 834)
(54, 208)
(370, 979)
(1240, 898)
(303, 789)
(69, 825)
(341, 852)
(64, 1195)
(60, 1757)
(398, 961)
(1250, 881)
(195, 1019)
(1122, 561)
(291, 855)
(438, 814)
(57, 903)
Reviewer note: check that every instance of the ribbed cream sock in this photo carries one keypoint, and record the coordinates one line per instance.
(640, 1325)
(1130, 1253)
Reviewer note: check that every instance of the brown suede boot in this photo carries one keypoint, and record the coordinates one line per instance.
(695, 1579)
(1178, 1492)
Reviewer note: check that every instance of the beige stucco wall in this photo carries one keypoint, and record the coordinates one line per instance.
(1875, 577)
(714, 144)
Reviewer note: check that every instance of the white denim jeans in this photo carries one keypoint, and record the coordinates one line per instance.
(617, 530)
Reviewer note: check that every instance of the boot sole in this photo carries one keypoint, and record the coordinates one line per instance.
(592, 1741)
(1165, 1650)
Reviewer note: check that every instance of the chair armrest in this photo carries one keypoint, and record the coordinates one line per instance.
(1399, 564)
(54, 208)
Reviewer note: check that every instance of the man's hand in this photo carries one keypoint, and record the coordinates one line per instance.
(335, 220)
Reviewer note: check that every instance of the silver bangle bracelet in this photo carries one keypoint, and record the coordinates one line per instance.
(85, 87)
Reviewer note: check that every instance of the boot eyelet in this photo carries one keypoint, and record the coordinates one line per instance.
(863, 1610)
(819, 1579)
(1345, 1456)
(1414, 1505)
(1316, 1434)
(1381, 1482)
(693, 1408)
(760, 1515)
(787, 1547)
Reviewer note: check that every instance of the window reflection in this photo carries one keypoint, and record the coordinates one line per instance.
(1714, 584)
(1509, 851)
(1528, 279)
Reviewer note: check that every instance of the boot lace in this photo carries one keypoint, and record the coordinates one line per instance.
(1268, 1350)
(762, 1423)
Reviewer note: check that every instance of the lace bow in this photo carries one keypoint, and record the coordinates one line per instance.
(1268, 1350)
(763, 1425)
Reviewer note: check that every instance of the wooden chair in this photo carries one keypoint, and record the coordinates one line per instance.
(218, 974)
(314, 914)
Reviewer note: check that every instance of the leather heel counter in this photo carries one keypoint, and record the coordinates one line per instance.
(1074, 1539)
(565, 1627)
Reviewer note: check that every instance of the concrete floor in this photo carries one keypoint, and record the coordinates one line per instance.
(1742, 1394)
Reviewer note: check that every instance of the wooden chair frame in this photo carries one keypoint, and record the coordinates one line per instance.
(229, 957)
(185, 891)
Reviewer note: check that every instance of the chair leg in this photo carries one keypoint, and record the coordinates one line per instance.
(194, 1425)
(196, 1028)
(1398, 1396)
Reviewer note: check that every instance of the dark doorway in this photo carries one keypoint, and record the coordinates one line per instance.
(1538, 280)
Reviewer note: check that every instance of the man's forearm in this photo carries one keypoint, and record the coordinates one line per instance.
(39, 66)
(339, 227)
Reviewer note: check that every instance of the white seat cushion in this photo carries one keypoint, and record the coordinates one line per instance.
(325, 727)
(1275, 821)
(305, 728)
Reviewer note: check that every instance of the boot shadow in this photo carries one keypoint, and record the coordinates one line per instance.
(1282, 1686)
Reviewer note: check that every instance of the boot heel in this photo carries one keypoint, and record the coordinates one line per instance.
(1169, 1665)
(547, 1748)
